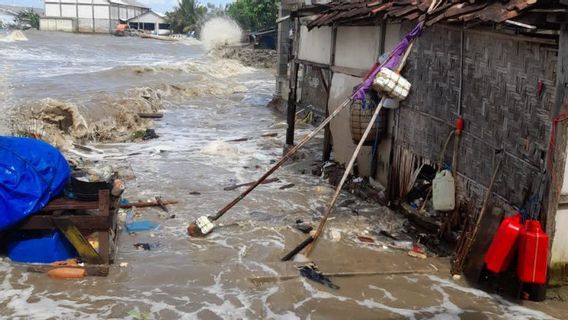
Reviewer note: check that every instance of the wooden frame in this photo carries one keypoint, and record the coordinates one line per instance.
(63, 214)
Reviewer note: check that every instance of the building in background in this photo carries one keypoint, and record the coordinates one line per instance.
(95, 16)
(150, 22)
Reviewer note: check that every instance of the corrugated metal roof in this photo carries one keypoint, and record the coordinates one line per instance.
(343, 12)
(132, 3)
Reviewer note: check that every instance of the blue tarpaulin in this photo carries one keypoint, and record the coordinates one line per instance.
(32, 172)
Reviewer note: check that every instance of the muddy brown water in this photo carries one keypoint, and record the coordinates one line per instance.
(228, 274)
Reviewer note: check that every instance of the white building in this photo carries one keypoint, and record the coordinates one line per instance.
(98, 16)
(150, 21)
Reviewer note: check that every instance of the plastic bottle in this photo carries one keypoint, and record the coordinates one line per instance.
(444, 191)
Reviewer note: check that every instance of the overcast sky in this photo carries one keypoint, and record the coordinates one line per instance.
(157, 5)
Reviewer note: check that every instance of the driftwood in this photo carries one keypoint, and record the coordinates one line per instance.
(267, 181)
(157, 115)
(145, 204)
(260, 280)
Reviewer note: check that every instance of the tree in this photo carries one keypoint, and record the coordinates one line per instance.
(186, 16)
(254, 15)
(28, 16)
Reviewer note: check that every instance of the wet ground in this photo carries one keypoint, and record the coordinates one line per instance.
(235, 273)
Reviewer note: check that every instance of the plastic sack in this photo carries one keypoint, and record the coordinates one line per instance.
(391, 84)
(32, 172)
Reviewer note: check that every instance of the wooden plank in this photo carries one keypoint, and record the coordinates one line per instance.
(83, 247)
(474, 264)
(145, 204)
(67, 204)
(83, 222)
(558, 156)
(360, 73)
(266, 279)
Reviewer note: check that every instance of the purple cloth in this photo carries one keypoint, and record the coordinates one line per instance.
(391, 63)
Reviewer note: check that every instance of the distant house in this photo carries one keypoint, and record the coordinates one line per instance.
(150, 21)
(96, 16)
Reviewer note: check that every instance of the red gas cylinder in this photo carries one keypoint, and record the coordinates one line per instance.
(533, 253)
(502, 248)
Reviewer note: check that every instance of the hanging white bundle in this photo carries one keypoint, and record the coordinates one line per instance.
(391, 84)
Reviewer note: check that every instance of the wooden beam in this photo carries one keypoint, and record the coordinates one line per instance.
(360, 73)
(81, 244)
(558, 156)
(83, 222)
(327, 138)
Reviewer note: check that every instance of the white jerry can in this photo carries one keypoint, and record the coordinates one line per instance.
(444, 191)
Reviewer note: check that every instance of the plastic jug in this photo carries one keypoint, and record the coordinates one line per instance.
(444, 191)
(533, 253)
(502, 248)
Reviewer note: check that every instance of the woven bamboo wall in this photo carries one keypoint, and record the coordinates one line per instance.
(501, 107)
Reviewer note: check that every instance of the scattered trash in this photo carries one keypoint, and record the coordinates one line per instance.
(118, 188)
(146, 246)
(404, 245)
(66, 263)
(138, 315)
(387, 234)
(141, 225)
(287, 186)
(358, 180)
(335, 234)
(302, 226)
(150, 134)
(417, 255)
(417, 252)
(123, 264)
(270, 135)
(161, 204)
(456, 277)
(195, 193)
(311, 272)
(248, 184)
(366, 239)
(144, 204)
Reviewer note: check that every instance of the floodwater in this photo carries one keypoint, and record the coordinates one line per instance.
(233, 273)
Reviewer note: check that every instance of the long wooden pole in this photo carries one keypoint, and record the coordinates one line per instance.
(285, 158)
(331, 205)
(294, 149)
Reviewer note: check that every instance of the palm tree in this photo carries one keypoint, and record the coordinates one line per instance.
(186, 16)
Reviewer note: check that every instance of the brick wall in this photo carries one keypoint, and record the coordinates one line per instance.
(501, 107)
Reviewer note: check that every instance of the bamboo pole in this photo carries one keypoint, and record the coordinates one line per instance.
(329, 208)
(345, 274)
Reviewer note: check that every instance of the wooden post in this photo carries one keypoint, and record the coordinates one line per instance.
(375, 155)
(559, 154)
(292, 85)
(291, 109)
(327, 140)
(104, 235)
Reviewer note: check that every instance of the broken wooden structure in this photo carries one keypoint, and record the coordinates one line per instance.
(77, 220)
